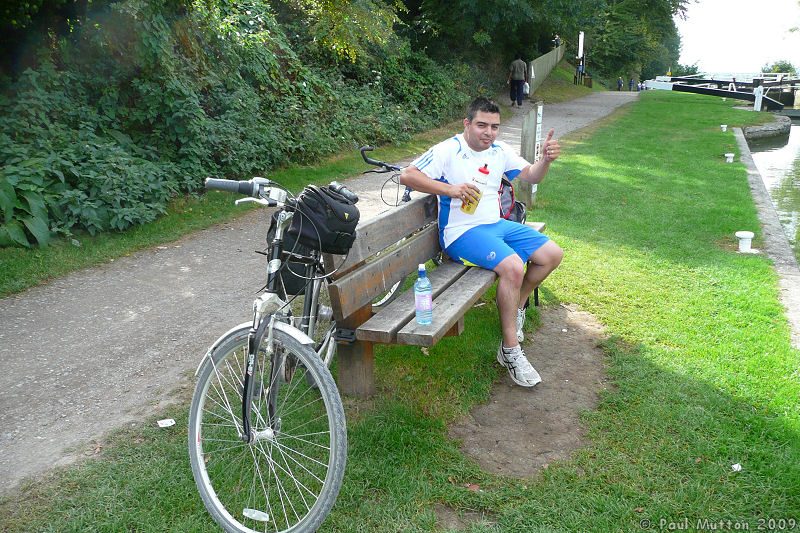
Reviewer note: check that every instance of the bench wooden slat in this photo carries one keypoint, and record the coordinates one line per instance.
(383, 327)
(386, 229)
(448, 308)
(358, 288)
(538, 226)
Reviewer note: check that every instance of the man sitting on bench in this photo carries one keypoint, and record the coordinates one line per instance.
(465, 172)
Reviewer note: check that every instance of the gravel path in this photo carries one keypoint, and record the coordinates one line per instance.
(109, 345)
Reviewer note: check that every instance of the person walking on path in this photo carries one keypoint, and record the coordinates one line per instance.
(630, 85)
(619, 83)
(517, 76)
(465, 171)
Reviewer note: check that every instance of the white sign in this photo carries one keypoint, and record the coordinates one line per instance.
(580, 45)
(538, 146)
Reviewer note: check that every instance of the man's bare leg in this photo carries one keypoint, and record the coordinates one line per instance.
(511, 271)
(541, 263)
(515, 285)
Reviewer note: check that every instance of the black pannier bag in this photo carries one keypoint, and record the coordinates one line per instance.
(510, 208)
(324, 220)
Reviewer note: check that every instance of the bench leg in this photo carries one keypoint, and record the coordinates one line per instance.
(355, 369)
(456, 329)
(355, 361)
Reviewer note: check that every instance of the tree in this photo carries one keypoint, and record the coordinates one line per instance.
(349, 28)
(635, 36)
(685, 70)
(780, 66)
(465, 26)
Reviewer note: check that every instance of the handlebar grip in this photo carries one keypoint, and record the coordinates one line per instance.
(241, 187)
(369, 160)
(335, 186)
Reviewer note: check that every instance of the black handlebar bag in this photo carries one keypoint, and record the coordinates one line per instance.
(295, 256)
(324, 220)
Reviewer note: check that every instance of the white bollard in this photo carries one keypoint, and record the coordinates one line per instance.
(724, 127)
(729, 157)
(745, 239)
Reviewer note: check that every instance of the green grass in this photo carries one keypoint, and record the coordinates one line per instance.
(699, 354)
(560, 86)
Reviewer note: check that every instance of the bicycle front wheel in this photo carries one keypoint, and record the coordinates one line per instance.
(288, 478)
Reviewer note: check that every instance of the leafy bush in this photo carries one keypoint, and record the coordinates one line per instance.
(146, 99)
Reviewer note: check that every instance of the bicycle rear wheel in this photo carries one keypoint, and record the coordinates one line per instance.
(286, 480)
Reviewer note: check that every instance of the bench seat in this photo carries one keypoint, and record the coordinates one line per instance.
(456, 288)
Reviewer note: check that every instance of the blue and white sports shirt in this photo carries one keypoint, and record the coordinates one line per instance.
(453, 161)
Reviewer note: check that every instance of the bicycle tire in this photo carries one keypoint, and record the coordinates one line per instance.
(284, 482)
(382, 300)
(324, 333)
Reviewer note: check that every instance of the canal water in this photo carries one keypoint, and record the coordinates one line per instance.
(778, 162)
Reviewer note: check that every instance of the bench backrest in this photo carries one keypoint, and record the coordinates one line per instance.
(376, 261)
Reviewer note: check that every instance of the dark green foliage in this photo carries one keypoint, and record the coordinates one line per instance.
(147, 98)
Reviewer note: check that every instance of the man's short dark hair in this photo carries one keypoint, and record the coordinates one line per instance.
(481, 104)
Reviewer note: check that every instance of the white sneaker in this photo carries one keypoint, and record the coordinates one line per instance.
(519, 368)
(520, 323)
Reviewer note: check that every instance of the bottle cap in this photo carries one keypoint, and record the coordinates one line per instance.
(484, 169)
(421, 267)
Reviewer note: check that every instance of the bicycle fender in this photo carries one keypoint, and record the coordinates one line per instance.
(292, 331)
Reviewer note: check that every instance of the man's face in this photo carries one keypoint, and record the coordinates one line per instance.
(482, 131)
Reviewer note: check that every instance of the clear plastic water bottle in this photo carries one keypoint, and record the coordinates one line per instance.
(422, 297)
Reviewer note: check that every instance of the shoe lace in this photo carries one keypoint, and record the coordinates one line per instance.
(520, 362)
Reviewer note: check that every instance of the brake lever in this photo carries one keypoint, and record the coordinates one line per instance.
(262, 201)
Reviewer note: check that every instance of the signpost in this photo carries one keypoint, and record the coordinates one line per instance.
(581, 69)
(530, 148)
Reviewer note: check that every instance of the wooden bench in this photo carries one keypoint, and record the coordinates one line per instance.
(375, 263)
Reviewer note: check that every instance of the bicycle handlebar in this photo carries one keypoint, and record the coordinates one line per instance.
(374, 162)
(369, 159)
(263, 191)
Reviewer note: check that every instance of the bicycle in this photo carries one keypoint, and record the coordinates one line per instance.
(390, 295)
(267, 433)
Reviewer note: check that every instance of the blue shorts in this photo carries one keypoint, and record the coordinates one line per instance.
(488, 244)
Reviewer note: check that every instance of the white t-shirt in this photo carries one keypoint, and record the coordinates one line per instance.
(453, 161)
